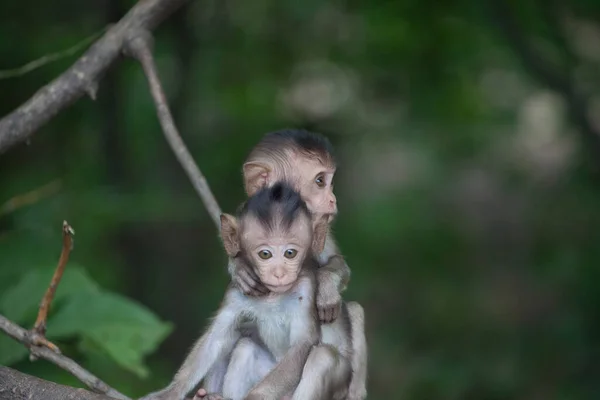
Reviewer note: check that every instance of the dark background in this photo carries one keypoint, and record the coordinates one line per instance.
(468, 182)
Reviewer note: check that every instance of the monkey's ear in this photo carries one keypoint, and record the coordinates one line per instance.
(229, 235)
(256, 176)
(320, 229)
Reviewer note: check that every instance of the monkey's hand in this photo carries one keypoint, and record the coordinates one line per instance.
(329, 302)
(248, 282)
(201, 394)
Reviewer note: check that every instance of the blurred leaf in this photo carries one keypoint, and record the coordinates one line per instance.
(23, 299)
(125, 330)
(26, 295)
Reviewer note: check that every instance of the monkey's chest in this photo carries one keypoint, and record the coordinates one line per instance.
(273, 319)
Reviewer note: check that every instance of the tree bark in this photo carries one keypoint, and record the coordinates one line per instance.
(15, 385)
(83, 76)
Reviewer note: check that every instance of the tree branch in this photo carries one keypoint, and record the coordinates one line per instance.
(48, 58)
(31, 197)
(21, 335)
(549, 75)
(139, 46)
(40, 323)
(83, 76)
(15, 385)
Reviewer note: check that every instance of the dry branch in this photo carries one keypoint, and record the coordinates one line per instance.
(48, 58)
(21, 335)
(83, 76)
(30, 197)
(139, 46)
(39, 328)
(557, 79)
(15, 385)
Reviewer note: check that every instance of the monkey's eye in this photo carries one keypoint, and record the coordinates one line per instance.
(290, 253)
(265, 254)
(320, 181)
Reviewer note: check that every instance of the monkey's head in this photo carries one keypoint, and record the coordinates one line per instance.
(274, 233)
(302, 158)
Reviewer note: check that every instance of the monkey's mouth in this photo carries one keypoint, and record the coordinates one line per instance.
(279, 288)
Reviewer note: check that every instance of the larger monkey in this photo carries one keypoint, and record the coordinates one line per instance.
(306, 160)
(276, 236)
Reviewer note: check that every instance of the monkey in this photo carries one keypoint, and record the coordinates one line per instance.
(276, 236)
(306, 160)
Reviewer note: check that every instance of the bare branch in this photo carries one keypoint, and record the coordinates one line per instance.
(82, 77)
(550, 75)
(48, 58)
(30, 197)
(139, 46)
(21, 335)
(15, 385)
(39, 328)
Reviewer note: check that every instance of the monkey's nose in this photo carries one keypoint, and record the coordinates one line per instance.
(279, 273)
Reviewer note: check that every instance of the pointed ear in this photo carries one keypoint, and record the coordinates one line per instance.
(320, 230)
(229, 235)
(256, 176)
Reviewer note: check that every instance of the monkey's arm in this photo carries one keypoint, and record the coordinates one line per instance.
(217, 342)
(332, 278)
(304, 334)
(245, 279)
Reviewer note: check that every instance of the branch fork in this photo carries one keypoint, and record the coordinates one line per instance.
(132, 37)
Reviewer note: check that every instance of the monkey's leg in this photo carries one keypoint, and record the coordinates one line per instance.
(326, 375)
(249, 364)
(213, 382)
(358, 384)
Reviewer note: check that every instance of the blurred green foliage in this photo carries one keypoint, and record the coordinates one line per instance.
(467, 185)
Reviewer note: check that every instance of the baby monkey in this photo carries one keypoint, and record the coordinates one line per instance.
(306, 160)
(277, 238)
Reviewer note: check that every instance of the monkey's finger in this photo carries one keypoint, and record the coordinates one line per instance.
(259, 287)
(246, 284)
(246, 289)
(335, 311)
(249, 276)
(322, 314)
(329, 314)
(251, 280)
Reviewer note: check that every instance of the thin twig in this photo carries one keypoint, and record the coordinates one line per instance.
(139, 46)
(83, 76)
(40, 323)
(30, 197)
(21, 335)
(48, 58)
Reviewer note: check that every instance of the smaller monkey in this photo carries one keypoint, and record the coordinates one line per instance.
(276, 236)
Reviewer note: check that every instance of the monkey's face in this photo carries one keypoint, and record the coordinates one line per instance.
(277, 254)
(314, 181)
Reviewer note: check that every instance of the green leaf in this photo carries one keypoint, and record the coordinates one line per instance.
(22, 301)
(123, 329)
(11, 351)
